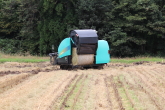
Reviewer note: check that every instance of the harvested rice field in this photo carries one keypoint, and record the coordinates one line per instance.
(41, 86)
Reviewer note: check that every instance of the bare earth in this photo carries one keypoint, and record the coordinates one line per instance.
(40, 86)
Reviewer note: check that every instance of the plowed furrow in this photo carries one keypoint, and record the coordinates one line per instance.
(117, 87)
(60, 102)
(4, 73)
(54, 103)
(133, 94)
(159, 69)
(30, 89)
(143, 91)
(100, 93)
(151, 83)
(87, 97)
(157, 77)
(152, 80)
(8, 83)
(108, 92)
(76, 98)
(150, 75)
(59, 88)
(147, 88)
(116, 93)
(70, 93)
(160, 75)
(128, 97)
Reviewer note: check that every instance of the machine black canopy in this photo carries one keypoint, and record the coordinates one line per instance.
(86, 40)
(84, 36)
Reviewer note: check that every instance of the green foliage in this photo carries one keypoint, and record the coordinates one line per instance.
(18, 24)
(137, 59)
(57, 19)
(92, 15)
(18, 58)
(29, 15)
(119, 41)
(24, 60)
(137, 19)
(9, 25)
(10, 46)
(132, 27)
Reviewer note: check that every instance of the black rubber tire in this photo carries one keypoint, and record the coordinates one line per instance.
(66, 67)
(63, 67)
(99, 67)
(87, 67)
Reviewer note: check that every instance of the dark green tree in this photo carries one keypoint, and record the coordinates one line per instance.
(92, 15)
(9, 26)
(56, 18)
(19, 19)
(137, 20)
(29, 35)
(132, 28)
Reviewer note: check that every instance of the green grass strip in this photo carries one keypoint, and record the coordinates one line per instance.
(2, 60)
(133, 60)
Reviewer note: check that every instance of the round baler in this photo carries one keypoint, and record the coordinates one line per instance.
(81, 48)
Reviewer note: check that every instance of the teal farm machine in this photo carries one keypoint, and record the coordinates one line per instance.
(81, 48)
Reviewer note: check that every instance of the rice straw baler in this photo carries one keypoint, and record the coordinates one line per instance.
(81, 48)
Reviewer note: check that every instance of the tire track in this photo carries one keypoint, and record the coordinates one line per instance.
(156, 80)
(151, 83)
(147, 91)
(53, 105)
(100, 93)
(70, 93)
(11, 82)
(23, 89)
(108, 92)
(116, 93)
(60, 101)
(3, 73)
(160, 75)
(12, 78)
(135, 104)
(78, 93)
(87, 97)
(108, 89)
(127, 94)
(55, 93)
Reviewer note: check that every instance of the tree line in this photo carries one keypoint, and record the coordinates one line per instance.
(131, 27)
